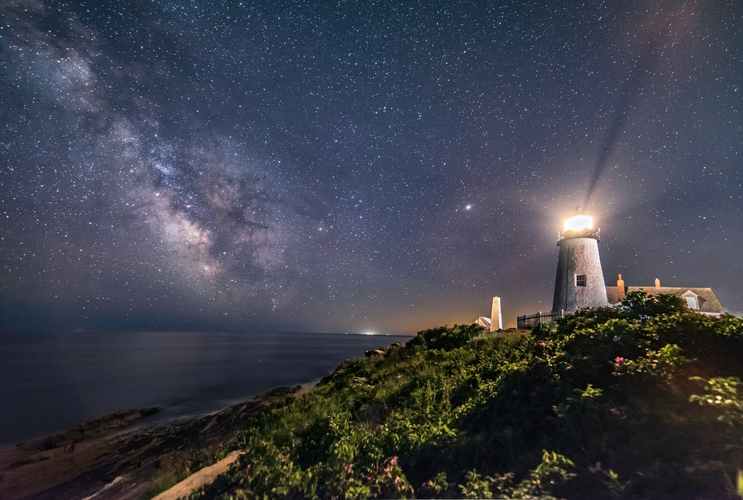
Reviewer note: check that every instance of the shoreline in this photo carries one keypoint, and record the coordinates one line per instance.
(70, 382)
(125, 454)
(161, 415)
(133, 453)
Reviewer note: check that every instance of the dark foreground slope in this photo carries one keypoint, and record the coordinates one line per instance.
(639, 402)
(122, 455)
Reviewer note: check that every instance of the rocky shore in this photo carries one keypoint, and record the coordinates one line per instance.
(125, 454)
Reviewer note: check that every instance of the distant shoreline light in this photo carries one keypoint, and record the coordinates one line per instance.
(370, 333)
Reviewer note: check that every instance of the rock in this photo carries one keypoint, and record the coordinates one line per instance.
(199, 479)
(374, 352)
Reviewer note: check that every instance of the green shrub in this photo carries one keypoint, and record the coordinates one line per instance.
(615, 395)
(446, 338)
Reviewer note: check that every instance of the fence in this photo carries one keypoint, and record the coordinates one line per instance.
(531, 320)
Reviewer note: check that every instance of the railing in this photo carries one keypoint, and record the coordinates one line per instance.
(531, 320)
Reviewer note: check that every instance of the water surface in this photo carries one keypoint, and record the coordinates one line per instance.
(50, 383)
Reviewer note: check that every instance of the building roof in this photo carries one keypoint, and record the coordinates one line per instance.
(708, 301)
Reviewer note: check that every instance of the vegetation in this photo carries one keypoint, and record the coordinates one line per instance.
(639, 401)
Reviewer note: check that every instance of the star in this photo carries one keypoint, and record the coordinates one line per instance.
(235, 177)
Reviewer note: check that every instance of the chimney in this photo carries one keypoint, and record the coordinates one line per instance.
(496, 316)
(621, 290)
(657, 282)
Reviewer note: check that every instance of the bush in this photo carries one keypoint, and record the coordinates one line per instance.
(446, 338)
(641, 401)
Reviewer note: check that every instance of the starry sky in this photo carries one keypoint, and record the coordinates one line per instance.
(348, 166)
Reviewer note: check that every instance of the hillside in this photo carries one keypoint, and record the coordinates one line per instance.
(638, 402)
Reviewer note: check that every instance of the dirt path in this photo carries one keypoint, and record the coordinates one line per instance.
(198, 479)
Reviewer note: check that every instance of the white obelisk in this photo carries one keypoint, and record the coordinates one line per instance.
(496, 316)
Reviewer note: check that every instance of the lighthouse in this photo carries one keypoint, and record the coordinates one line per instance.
(579, 283)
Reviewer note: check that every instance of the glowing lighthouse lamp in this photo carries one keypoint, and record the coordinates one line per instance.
(578, 223)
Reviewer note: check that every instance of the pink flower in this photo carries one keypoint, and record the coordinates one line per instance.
(617, 412)
(389, 465)
(618, 361)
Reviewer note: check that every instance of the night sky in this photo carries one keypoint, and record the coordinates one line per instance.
(345, 166)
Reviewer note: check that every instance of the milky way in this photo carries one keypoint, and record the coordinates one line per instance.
(356, 165)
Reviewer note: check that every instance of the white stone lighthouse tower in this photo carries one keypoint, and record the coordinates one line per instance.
(579, 283)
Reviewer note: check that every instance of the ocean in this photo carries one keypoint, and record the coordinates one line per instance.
(49, 383)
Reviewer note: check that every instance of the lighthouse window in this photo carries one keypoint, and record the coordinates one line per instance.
(580, 280)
